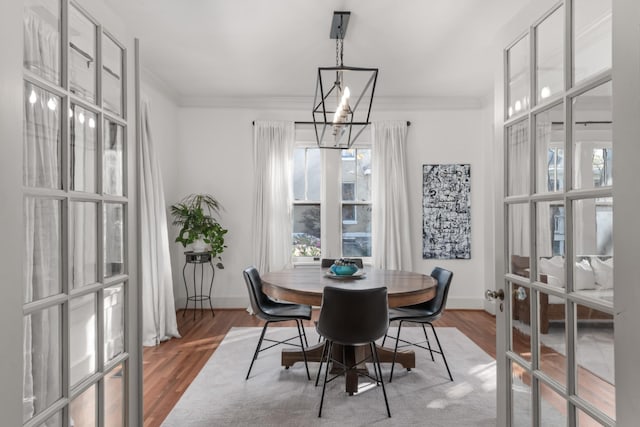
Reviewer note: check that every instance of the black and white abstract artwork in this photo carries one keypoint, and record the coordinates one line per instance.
(446, 207)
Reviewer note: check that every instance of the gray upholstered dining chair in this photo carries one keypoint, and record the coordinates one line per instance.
(352, 317)
(424, 313)
(272, 311)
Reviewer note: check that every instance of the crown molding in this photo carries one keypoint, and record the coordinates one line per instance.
(381, 103)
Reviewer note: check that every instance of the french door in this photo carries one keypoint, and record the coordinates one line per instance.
(71, 353)
(556, 345)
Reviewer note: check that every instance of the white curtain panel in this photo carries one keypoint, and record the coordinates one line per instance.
(390, 219)
(273, 146)
(158, 307)
(42, 383)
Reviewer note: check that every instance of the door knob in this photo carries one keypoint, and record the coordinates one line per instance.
(492, 295)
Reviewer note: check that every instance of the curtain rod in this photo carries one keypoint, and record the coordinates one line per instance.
(588, 122)
(310, 123)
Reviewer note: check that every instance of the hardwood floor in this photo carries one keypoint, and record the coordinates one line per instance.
(170, 367)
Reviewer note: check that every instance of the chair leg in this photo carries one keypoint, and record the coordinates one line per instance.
(376, 363)
(324, 349)
(395, 351)
(426, 337)
(306, 343)
(255, 355)
(304, 353)
(326, 373)
(441, 351)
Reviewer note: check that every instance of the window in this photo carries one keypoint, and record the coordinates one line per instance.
(337, 214)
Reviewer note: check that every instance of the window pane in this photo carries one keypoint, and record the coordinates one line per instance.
(306, 230)
(550, 55)
(314, 174)
(84, 151)
(43, 248)
(82, 55)
(112, 75)
(114, 397)
(42, 361)
(83, 243)
(550, 150)
(113, 175)
(356, 230)
(82, 410)
(595, 358)
(113, 322)
(518, 152)
(42, 136)
(42, 38)
(113, 239)
(356, 175)
(592, 37)
(592, 138)
(82, 354)
(518, 63)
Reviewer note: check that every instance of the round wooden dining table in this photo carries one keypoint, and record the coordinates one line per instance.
(304, 285)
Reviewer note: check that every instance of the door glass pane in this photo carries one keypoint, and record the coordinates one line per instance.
(111, 75)
(42, 38)
(592, 138)
(521, 413)
(595, 358)
(306, 230)
(519, 235)
(550, 150)
(82, 55)
(552, 336)
(550, 55)
(521, 320)
(82, 320)
(593, 263)
(518, 64)
(84, 140)
(42, 362)
(82, 410)
(43, 248)
(553, 407)
(83, 243)
(113, 322)
(113, 239)
(592, 37)
(114, 397)
(356, 230)
(585, 420)
(41, 138)
(54, 421)
(550, 243)
(113, 157)
(518, 158)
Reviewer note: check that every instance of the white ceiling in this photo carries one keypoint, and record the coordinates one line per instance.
(260, 48)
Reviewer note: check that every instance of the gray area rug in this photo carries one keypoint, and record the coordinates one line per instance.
(274, 396)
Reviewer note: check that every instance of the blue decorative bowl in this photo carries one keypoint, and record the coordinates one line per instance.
(343, 270)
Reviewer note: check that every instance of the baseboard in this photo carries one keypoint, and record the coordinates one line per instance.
(465, 303)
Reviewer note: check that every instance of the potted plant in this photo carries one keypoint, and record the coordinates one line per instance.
(198, 226)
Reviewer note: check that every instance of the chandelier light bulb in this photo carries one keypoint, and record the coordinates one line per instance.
(92, 122)
(545, 92)
(33, 97)
(81, 118)
(51, 104)
(518, 106)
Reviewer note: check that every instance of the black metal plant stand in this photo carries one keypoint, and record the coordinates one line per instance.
(198, 258)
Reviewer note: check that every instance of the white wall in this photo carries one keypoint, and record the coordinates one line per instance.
(215, 156)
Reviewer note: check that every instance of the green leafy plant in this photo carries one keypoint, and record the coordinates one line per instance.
(195, 216)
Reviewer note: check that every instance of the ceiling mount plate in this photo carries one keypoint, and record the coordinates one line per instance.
(339, 25)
